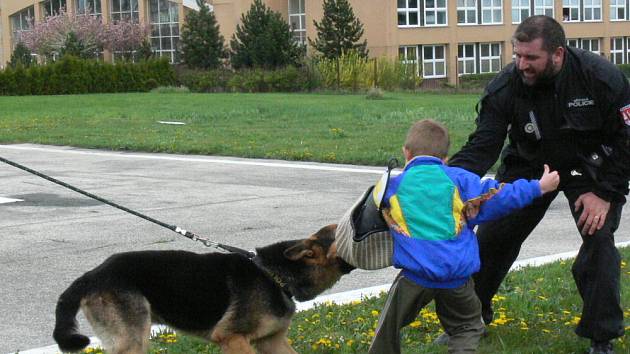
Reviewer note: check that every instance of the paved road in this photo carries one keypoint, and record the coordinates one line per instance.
(53, 235)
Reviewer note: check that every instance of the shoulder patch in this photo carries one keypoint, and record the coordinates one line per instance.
(625, 114)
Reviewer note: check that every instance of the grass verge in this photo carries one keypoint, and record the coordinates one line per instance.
(310, 127)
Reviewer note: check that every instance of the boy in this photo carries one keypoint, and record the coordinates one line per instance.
(431, 210)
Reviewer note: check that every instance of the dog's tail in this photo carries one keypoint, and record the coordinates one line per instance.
(66, 332)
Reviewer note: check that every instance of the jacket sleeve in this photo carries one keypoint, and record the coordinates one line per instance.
(613, 176)
(484, 145)
(496, 200)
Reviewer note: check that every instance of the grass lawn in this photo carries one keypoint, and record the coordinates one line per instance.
(536, 311)
(309, 127)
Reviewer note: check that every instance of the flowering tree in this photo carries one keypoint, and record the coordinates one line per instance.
(51, 35)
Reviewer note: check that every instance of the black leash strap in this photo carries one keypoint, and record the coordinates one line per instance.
(190, 235)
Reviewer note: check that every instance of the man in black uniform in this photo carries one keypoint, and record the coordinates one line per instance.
(570, 109)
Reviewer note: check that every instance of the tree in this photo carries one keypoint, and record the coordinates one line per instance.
(202, 43)
(74, 47)
(21, 56)
(339, 31)
(263, 39)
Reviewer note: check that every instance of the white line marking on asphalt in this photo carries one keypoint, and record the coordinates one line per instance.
(314, 166)
(9, 200)
(347, 297)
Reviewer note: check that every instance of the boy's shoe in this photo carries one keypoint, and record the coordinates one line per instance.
(604, 347)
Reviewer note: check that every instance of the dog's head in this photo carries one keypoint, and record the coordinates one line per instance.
(322, 267)
(310, 265)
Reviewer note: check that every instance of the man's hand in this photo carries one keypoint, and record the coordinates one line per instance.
(549, 180)
(594, 212)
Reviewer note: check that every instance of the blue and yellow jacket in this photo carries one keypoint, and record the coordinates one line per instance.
(431, 210)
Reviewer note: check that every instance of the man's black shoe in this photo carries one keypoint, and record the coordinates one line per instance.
(605, 347)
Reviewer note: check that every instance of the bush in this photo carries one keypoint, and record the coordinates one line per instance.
(352, 71)
(205, 81)
(71, 75)
(475, 81)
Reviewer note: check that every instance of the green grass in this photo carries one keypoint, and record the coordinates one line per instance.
(310, 127)
(536, 311)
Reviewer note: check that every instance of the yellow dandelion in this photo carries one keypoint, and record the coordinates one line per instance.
(415, 324)
(374, 313)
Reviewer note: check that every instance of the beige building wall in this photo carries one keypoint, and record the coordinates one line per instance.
(384, 36)
(10, 7)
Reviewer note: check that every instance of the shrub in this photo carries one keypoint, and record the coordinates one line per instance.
(21, 56)
(71, 75)
(205, 81)
(475, 81)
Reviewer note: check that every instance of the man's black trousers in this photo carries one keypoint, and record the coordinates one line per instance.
(596, 269)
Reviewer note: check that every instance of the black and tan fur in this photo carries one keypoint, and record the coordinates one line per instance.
(238, 303)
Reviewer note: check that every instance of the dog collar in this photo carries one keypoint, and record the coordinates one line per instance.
(275, 277)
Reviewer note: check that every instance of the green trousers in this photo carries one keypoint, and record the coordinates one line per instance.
(458, 310)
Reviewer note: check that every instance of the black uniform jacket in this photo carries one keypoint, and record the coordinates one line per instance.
(578, 123)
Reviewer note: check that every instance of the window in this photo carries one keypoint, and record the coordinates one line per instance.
(617, 10)
(466, 11)
(52, 7)
(489, 57)
(466, 57)
(21, 22)
(164, 18)
(590, 44)
(433, 61)
(543, 7)
(617, 50)
(491, 12)
(570, 10)
(297, 20)
(125, 10)
(89, 7)
(592, 10)
(408, 13)
(628, 50)
(408, 55)
(520, 10)
(434, 12)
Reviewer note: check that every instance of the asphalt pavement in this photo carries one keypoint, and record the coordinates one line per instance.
(51, 235)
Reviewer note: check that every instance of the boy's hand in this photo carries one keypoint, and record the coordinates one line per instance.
(549, 180)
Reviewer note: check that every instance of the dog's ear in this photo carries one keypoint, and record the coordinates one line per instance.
(298, 251)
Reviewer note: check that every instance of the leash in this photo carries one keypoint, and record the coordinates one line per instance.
(206, 242)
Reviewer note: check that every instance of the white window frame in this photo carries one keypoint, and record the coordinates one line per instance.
(157, 28)
(571, 5)
(408, 55)
(493, 9)
(124, 14)
(462, 60)
(615, 6)
(407, 10)
(490, 58)
(435, 10)
(592, 10)
(518, 9)
(81, 7)
(544, 7)
(618, 51)
(49, 8)
(24, 21)
(466, 8)
(573, 42)
(298, 17)
(628, 50)
(435, 63)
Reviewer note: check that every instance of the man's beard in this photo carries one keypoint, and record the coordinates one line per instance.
(545, 77)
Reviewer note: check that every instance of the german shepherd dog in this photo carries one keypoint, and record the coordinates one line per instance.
(226, 298)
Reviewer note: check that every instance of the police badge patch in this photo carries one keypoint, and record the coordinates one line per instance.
(625, 114)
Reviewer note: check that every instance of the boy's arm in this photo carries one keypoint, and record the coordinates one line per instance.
(496, 199)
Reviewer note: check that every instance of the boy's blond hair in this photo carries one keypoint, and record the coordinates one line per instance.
(428, 137)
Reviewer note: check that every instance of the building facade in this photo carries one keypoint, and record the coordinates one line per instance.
(450, 38)
(163, 16)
